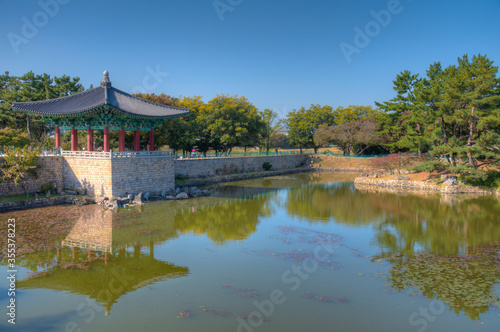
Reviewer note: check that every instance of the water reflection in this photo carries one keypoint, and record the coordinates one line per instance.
(465, 282)
(442, 247)
(89, 262)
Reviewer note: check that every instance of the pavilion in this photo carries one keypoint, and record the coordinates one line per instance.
(103, 108)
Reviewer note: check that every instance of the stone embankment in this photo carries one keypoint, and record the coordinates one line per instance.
(168, 194)
(50, 201)
(448, 187)
(239, 177)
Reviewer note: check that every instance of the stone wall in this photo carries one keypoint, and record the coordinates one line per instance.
(193, 168)
(118, 176)
(133, 175)
(34, 203)
(360, 182)
(91, 176)
(51, 172)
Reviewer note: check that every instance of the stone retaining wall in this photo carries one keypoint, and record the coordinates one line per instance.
(240, 177)
(134, 175)
(89, 176)
(118, 176)
(194, 168)
(422, 185)
(51, 172)
(36, 203)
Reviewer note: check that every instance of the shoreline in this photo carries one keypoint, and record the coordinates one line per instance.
(198, 182)
(407, 186)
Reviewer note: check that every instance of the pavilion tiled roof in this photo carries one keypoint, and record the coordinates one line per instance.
(80, 103)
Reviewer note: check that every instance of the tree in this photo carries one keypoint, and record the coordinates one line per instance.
(472, 94)
(32, 87)
(272, 124)
(176, 132)
(19, 163)
(280, 140)
(12, 137)
(452, 112)
(353, 113)
(302, 124)
(355, 136)
(230, 121)
(405, 122)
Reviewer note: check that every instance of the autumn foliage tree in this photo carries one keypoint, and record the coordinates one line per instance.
(19, 163)
(351, 137)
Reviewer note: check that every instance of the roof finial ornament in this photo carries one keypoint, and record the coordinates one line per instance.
(105, 80)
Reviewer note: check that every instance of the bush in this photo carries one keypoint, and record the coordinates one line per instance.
(267, 166)
(392, 162)
(490, 178)
(48, 186)
(181, 177)
(430, 166)
(18, 164)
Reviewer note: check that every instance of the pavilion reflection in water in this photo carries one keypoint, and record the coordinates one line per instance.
(88, 272)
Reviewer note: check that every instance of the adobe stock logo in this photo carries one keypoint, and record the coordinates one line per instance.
(372, 29)
(225, 6)
(29, 30)
(152, 80)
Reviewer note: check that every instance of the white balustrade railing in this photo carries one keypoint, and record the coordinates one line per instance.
(107, 155)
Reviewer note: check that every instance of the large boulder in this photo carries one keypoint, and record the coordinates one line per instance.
(403, 178)
(182, 195)
(147, 196)
(112, 203)
(139, 198)
(170, 198)
(451, 181)
(122, 201)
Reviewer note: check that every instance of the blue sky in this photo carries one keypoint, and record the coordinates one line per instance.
(280, 54)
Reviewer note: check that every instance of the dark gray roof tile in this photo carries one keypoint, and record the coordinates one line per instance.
(89, 99)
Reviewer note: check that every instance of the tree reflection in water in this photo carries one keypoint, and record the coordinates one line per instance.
(444, 248)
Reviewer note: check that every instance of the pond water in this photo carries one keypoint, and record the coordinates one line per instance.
(289, 253)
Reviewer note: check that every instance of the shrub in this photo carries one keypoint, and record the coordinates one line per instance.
(430, 166)
(489, 178)
(392, 162)
(181, 177)
(19, 163)
(48, 186)
(267, 166)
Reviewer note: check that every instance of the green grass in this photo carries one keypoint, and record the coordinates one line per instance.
(21, 197)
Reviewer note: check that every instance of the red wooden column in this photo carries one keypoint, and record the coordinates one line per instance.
(58, 137)
(74, 139)
(137, 140)
(90, 139)
(122, 140)
(106, 139)
(151, 140)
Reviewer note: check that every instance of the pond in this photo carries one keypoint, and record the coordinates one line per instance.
(288, 253)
